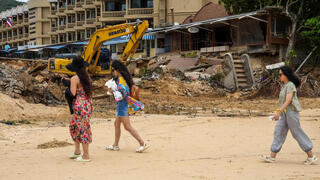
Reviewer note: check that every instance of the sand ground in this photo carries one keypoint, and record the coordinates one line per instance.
(183, 147)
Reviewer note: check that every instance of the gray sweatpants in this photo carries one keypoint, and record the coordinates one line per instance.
(290, 120)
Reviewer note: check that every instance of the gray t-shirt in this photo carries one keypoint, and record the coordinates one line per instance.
(286, 89)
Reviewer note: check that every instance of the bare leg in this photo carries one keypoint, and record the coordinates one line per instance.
(273, 154)
(117, 131)
(85, 147)
(126, 123)
(77, 150)
(310, 154)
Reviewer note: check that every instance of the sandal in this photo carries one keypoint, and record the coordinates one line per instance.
(112, 148)
(267, 158)
(80, 159)
(74, 156)
(310, 161)
(142, 148)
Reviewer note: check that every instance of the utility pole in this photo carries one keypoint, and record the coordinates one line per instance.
(172, 16)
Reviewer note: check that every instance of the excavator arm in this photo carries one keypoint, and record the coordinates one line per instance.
(136, 30)
(92, 51)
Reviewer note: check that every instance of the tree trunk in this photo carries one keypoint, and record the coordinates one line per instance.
(292, 37)
(294, 19)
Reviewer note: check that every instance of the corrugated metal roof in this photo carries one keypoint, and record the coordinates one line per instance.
(209, 21)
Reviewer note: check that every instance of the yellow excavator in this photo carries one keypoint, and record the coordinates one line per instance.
(98, 58)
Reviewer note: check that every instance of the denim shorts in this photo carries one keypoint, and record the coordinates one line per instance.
(122, 108)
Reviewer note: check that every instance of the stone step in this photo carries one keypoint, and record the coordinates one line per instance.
(241, 75)
(238, 66)
(237, 61)
(239, 71)
(243, 84)
(241, 80)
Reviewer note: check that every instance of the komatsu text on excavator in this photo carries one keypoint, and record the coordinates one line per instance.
(99, 58)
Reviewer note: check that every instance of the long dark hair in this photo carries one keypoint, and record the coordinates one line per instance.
(85, 80)
(287, 71)
(123, 70)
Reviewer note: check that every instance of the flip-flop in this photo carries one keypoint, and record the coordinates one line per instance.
(80, 159)
(74, 156)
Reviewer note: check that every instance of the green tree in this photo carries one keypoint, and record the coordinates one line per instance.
(8, 4)
(311, 31)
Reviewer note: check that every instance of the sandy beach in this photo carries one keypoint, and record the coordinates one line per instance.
(182, 147)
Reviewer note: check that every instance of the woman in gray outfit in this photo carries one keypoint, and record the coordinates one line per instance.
(287, 118)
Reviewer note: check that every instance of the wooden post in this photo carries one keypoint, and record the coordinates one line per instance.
(190, 43)
(268, 38)
(238, 34)
(214, 40)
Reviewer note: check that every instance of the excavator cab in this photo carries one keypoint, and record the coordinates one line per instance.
(101, 62)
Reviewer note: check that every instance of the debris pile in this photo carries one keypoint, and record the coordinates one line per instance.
(271, 86)
(31, 82)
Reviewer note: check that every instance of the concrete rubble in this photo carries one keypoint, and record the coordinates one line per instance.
(32, 84)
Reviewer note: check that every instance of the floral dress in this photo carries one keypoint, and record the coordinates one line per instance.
(80, 129)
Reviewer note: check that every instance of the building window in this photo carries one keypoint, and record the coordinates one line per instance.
(160, 43)
(113, 48)
(141, 3)
(98, 12)
(115, 6)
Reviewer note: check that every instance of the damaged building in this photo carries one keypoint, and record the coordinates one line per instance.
(235, 37)
(262, 31)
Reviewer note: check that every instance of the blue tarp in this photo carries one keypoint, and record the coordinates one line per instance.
(20, 52)
(12, 49)
(56, 47)
(118, 40)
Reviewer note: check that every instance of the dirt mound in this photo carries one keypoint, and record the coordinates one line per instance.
(18, 109)
(53, 144)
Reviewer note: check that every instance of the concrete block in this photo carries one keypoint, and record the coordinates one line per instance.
(203, 50)
(224, 48)
(216, 49)
(210, 49)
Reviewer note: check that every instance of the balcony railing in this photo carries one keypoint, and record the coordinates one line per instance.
(89, 2)
(54, 29)
(90, 21)
(62, 27)
(62, 9)
(79, 4)
(26, 20)
(71, 25)
(80, 23)
(140, 11)
(53, 12)
(113, 14)
(9, 38)
(70, 7)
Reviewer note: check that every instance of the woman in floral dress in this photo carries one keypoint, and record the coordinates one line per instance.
(81, 89)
